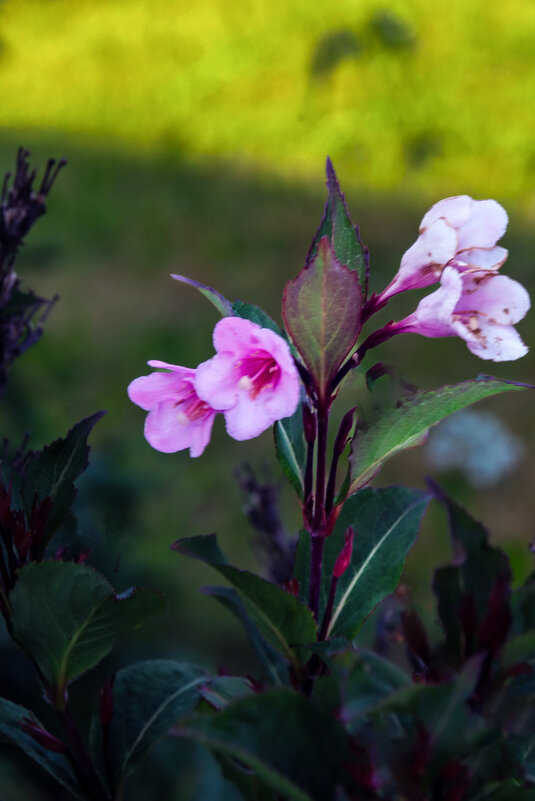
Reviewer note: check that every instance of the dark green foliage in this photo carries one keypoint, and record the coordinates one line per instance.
(290, 449)
(291, 745)
(67, 617)
(281, 619)
(14, 721)
(148, 699)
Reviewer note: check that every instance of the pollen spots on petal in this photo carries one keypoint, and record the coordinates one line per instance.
(473, 324)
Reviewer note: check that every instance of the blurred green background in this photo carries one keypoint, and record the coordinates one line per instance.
(196, 135)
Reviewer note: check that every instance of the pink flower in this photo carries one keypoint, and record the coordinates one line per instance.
(252, 379)
(177, 418)
(457, 231)
(479, 306)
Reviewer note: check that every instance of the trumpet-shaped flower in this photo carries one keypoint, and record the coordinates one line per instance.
(480, 306)
(458, 231)
(252, 378)
(177, 418)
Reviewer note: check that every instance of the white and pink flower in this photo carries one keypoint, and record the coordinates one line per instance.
(459, 232)
(480, 306)
(177, 418)
(252, 379)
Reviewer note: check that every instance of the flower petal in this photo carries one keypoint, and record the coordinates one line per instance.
(216, 380)
(497, 297)
(500, 343)
(165, 432)
(455, 210)
(434, 312)
(149, 390)
(422, 264)
(236, 335)
(486, 224)
(483, 258)
(249, 418)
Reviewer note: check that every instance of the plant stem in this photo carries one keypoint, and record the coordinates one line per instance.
(316, 557)
(328, 609)
(85, 770)
(317, 536)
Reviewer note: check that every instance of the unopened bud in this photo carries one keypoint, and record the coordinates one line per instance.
(292, 586)
(106, 701)
(345, 432)
(309, 423)
(42, 736)
(344, 558)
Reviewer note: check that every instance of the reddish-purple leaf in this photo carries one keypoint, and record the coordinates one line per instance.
(321, 310)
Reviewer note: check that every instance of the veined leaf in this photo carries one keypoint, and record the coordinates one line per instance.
(257, 315)
(148, 699)
(290, 448)
(344, 237)
(292, 745)
(321, 310)
(281, 619)
(406, 426)
(67, 616)
(386, 523)
(12, 717)
(223, 306)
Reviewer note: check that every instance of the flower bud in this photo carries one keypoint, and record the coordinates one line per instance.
(344, 557)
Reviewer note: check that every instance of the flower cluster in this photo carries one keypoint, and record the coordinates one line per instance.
(457, 246)
(252, 380)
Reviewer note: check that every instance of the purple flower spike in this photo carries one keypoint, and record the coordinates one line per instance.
(457, 231)
(479, 306)
(252, 379)
(177, 418)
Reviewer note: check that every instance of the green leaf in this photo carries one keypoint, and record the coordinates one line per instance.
(223, 306)
(292, 746)
(274, 667)
(148, 699)
(344, 237)
(290, 449)
(51, 474)
(221, 691)
(257, 315)
(474, 593)
(281, 619)
(321, 310)
(67, 616)
(386, 523)
(443, 712)
(371, 680)
(406, 425)
(57, 765)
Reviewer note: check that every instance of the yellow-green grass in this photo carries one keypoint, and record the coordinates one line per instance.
(455, 112)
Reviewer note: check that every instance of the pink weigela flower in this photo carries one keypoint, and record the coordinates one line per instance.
(177, 418)
(252, 378)
(458, 231)
(480, 306)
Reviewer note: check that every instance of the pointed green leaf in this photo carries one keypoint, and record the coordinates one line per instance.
(221, 691)
(293, 746)
(321, 310)
(148, 699)
(281, 619)
(57, 765)
(274, 667)
(344, 237)
(290, 448)
(406, 425)
(386, 523)
(67, 617)
(223, 306)
(51, 473)
(257, 315)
